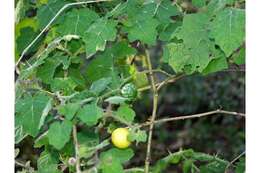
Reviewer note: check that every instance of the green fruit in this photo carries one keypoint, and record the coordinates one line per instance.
(129, 91)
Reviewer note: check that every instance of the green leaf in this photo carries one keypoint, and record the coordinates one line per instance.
(19, 132)
(198, 22)
(69, 110)
(59, 133)
(126, 113)
(46, 12)
(42, 140)
(90, 114)
(191, 55)
(123, 155)
(187, 165)
(199, 3)
(27, 22)
(98, 34)
(165, 9)
(111, 165)
(48, 162)
(172, 158)
(137, 135)
(111, 160)
(79, 96)
(162, 10)
(213, 167)
(75, 74)
(240, 166)
(217, 64)
(228, 29)
(33, 111)
(183, 59)
(25, 73)
(77, 21)
(143, 28)
(214, 6)
(65, 85)
(87, 139)
(116, 100)
(26, 37)
(168, 31)
(209, 163)
(21, 8)
(109, 64)
(100, 85)
(47, 70)
(240, 57)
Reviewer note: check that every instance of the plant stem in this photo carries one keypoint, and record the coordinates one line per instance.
(134, 170)
(171, 79)
(20, 164)
(234, 160)
(175, 118)
(109, 94)
(103, 144)
(155, 71)
(155, 102)
(76, 145)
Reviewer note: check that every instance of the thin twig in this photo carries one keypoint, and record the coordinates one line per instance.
(155, 102)
(134, 170)
(170, 79)
(159, 85)
(51, 21)
(76, 145)
(20, 164)
(102, 145)
(175, 118)
(156, 71)
(102, 97)
(234, 160)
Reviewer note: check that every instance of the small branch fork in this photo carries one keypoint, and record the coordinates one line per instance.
(155, 103)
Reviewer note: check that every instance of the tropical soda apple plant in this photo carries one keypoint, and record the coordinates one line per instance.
(80, 66)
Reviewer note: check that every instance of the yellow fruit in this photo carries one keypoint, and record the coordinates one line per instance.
(119, 138)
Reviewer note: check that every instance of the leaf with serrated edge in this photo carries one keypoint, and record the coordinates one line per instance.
(77, 21)
(34, 110)
(90, 114)
(59, 133)
(69, 110)
(47, 11)
(228, 29)
(98, 34)
(126, 113)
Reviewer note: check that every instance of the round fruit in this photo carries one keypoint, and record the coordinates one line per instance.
(119, 138)
(129, 91)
